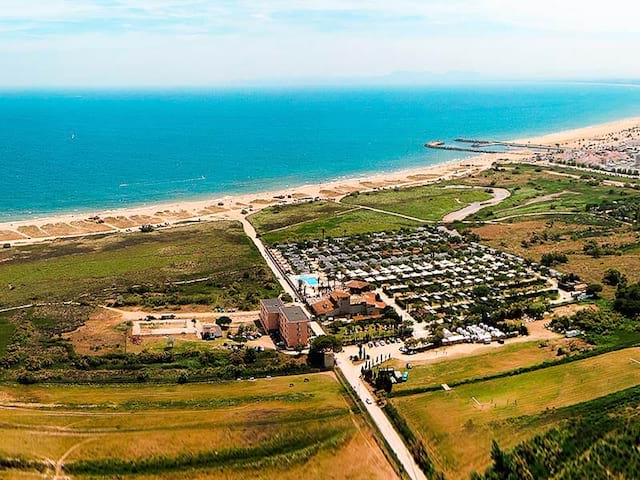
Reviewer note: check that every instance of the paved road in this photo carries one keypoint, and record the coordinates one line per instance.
(352, 374)
(350, 371)
(499, 194)
(251, 233)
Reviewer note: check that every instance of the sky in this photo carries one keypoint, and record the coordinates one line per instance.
(96, 43)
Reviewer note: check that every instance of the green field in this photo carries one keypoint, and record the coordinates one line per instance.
(596, 439)
(340, 225)
(283, 427)
(138, 268)
(458, 426)
(6, 331)
(531, 187)
(429, 203)
(275, 217)
(503, 359)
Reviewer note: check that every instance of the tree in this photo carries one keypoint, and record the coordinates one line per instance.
(223, 321)
(613, 277)
(593, 289)
(383, 382)
(481, 291)
(250, 355)
(553, 258)
(627, 300)
(321, 344)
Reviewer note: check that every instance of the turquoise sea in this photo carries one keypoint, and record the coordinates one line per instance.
(63, 151)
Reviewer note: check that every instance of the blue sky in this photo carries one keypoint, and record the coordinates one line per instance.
(225, 42)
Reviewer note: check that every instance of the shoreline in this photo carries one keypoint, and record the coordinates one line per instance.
(231, 206)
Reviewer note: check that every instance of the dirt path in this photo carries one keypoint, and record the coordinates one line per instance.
(133, 315)
(60, 463)
(395, 214)
(309, 221)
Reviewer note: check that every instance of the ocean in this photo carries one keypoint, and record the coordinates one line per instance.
(84, 151)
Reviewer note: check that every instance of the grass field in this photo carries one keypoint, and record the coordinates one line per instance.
(6, 331)
(429, 203)
(271, 428)
(339, 225)
(503, 359)
(538, 190)
(275, 217)
(139, 267)
(458, 426)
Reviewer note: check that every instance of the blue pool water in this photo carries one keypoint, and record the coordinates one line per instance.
(310, 280)
(63, 151)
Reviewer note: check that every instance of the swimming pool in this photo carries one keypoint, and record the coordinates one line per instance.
(311, 280)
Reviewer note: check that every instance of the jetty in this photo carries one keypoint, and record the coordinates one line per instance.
(489, 143)
(442, 146)
(484, 146)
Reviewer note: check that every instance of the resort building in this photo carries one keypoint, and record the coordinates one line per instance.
(291, 322)
(294, 326)
(270, 314)
(340, 303)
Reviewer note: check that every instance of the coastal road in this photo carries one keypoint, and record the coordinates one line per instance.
(352, 374)
(251, 233)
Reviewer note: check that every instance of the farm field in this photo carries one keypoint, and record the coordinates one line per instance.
(506, 358)
(351, 222)
(282, 427)
(429, 203)
(458, 426)
(140, 267)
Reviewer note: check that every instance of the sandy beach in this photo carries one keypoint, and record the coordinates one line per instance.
(233, 206)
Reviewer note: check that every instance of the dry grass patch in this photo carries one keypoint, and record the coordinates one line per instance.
(154, 422)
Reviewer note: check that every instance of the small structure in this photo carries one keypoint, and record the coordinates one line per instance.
(358, 286)
(210, 331)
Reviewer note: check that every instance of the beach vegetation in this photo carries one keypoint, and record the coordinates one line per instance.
(350, 223)
(212, 263)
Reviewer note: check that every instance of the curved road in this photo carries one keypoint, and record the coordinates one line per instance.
(499, 195)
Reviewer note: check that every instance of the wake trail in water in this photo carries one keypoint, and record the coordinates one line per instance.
(164, 182)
